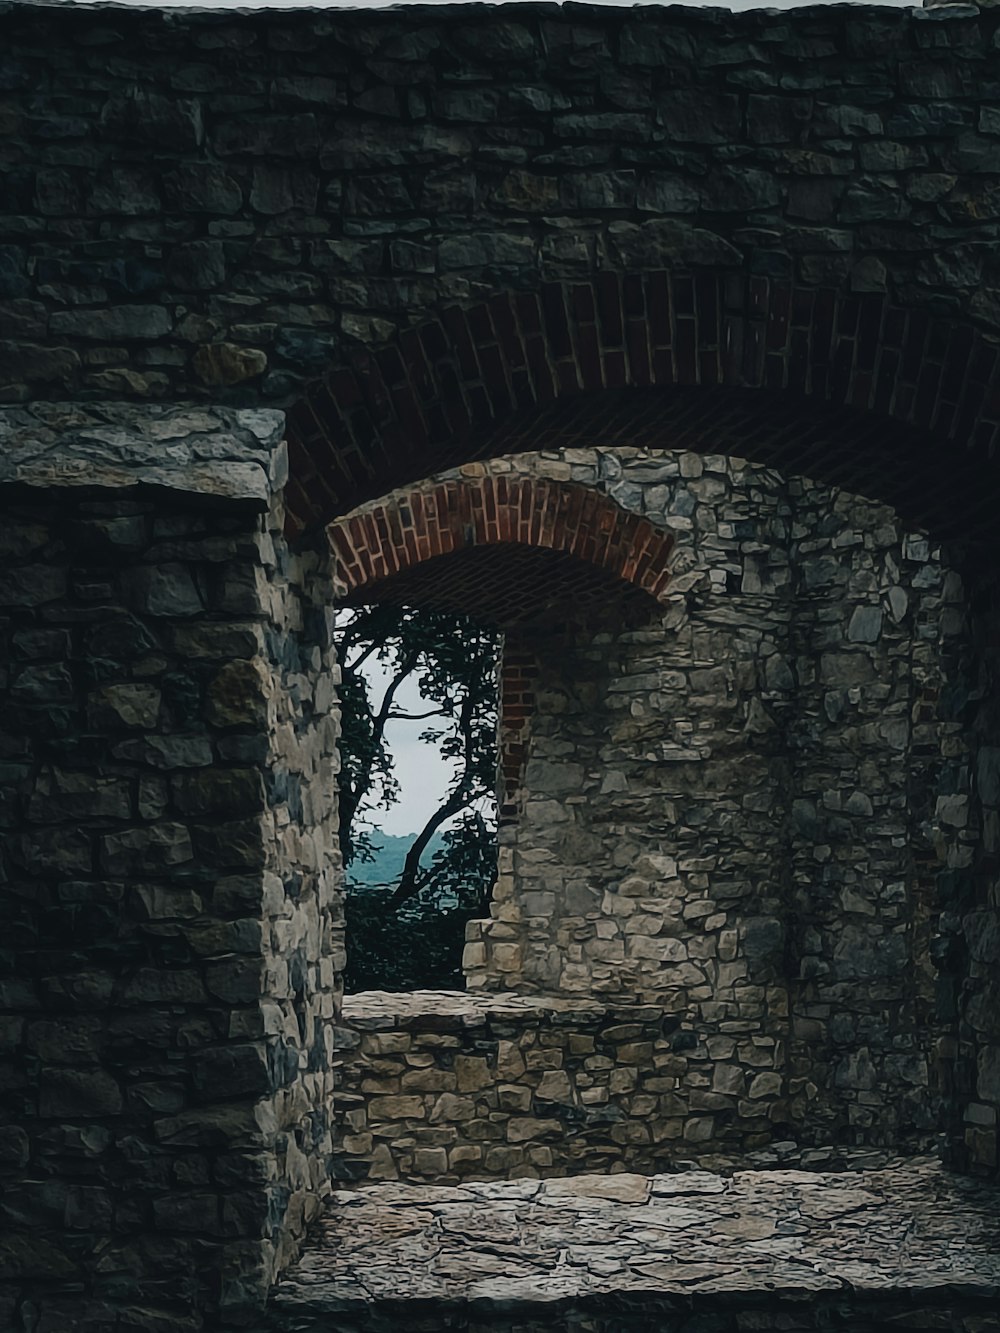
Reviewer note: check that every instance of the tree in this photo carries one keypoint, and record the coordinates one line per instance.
(408, 933)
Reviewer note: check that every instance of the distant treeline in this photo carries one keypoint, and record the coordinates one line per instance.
(390, 853)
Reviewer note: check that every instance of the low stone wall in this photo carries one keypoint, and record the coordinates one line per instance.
(443, 1086)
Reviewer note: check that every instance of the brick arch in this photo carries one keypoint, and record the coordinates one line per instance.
(507, 549)
(851, 388)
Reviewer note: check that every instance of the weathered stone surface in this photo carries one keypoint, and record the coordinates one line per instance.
(146, 851)
(163, 590)
(726, 123)
(849, 153)
(151, 986)
(227, 363)
(601, 1247)
(202, 188)
(73, 1092)
(124, 707)
(664, 243)
(226, 453)
(128, 322)
(237, 695)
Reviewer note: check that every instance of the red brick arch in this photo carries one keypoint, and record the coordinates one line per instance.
(851, 388)
(425, 545)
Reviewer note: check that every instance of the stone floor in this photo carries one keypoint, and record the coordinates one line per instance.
(906, 1247)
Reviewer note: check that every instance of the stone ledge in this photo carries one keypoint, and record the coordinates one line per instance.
(210, 453)
(374, 1011)
(912, 1237)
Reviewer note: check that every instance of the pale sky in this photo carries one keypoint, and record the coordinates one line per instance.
(422, 774)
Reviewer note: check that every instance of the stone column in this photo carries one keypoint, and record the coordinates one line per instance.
(967, 946)
(493, 954)
(169, 875)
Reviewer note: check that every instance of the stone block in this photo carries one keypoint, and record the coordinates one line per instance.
(238, 694)
(988, 1073)
(472, 1073)
(113, 323)
(432, 1162)
(699, 1129)
(167, 752)
(220, 365)
(188, 1212)
(660, 949)
(202, 188)
(429, 1080)
(514, 1097)
(238, 844)
(387, 1043)
(44, 685)
(465, 1154)
(161, 590)
(145, 851)
(449, 1107)
(396, 1108)
(238, 1069)
(765, 1085)
(131, 707)
(524, 1129)
(60, 796)
(73, 1093)
(500, 1160)
(225, 792)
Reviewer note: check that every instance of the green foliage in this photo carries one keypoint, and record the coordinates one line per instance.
(409, 933)
(388, 854)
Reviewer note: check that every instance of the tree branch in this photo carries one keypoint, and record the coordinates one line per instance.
(409, 881)
(354, 795)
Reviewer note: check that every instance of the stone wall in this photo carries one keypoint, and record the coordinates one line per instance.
(167, 867)
(442, 1087)
(967, 947)
(224, 204)
(745, 812)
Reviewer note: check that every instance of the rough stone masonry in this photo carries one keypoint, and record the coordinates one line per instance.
(173, 930)
(739, 819)
(431, 238)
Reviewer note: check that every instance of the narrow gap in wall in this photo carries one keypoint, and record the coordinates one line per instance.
(418, 798)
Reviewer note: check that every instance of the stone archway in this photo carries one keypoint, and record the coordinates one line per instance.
(813, 380)
(754, 260)
(383, 549)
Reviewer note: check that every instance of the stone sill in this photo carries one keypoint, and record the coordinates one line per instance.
(379, 1011)
(204, 454)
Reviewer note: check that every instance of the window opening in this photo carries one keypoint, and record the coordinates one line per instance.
(417, 791)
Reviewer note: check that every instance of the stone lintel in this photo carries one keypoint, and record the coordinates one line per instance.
(208, 454)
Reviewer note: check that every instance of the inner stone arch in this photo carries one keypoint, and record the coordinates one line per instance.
(505, 547)
(514, 552)
(728, 824)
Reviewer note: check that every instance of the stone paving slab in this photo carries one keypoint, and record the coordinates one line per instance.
(911, 1230)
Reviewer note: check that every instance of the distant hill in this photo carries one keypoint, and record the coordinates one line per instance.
(389, 857)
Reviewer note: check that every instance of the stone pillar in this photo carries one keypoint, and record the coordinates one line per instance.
(967, 946)
(169, 879)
